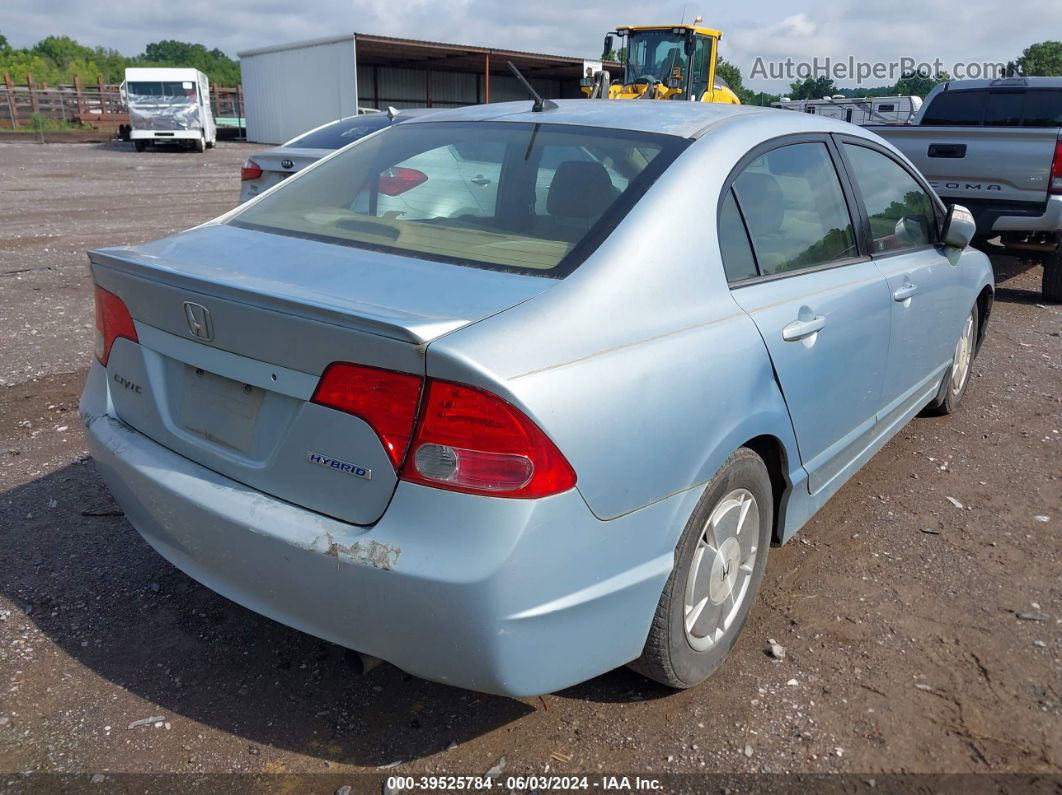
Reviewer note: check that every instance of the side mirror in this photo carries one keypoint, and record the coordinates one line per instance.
(690, 44)
(959, 227)
(608, 45)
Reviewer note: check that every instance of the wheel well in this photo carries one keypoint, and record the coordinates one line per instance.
(771, 450)
(984, 309)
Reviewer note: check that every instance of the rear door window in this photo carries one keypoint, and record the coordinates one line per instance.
(338, 134)
(901, 213)
(956, 109)
(796, 212)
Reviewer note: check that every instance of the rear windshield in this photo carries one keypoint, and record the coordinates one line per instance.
(509, 196)
(1003, 107)
(340, 133)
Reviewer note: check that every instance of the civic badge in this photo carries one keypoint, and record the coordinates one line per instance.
(198, 317)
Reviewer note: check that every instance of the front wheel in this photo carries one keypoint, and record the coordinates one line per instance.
(957, 379)
(719, 564)
(200, 144)
(1051, 287)
(140, 145)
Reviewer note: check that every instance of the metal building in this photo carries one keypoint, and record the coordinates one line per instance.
(290, 88)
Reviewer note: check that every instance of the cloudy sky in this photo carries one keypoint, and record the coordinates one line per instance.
(978, 30)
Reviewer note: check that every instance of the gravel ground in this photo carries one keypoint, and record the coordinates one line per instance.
(919, 636)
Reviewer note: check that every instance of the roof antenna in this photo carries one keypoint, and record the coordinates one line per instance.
(540, 103)
(391, 112)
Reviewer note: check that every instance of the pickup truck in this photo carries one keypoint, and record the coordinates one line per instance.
(994, 146)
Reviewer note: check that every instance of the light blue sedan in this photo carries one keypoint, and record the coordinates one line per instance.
(554, 431)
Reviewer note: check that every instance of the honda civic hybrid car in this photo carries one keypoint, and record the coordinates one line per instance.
(512, 444)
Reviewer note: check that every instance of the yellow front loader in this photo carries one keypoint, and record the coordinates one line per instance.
(664, 62)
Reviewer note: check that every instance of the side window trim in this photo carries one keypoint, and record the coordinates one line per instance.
(939, 211)
(846, 188)
(748, 236)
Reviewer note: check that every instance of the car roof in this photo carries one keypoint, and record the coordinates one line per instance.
(682, 119)
(1006, 82)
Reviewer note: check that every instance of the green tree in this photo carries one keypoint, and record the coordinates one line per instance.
(812, 88)
(4, 46)
(221, 69)
(919, 83)
(1043, 59)
(61, 50)
(732, 75)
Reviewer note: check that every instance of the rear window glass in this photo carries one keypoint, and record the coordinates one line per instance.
(510, 196)
(957, 109)
(1008, 107)
(340, 133)
(1043, 108)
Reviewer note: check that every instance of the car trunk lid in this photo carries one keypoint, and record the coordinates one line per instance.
(236, 327)
(285, 161)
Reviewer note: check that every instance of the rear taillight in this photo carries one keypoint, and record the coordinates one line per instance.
(466, 439)
(1056, 170)
(112, 321)
(386, 400)
(250, 170)
(399, 179)
(472, 441)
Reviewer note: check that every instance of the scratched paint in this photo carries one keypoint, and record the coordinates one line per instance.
(368, 553)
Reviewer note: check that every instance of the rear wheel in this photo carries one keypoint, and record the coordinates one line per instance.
(719, 564)
(200, 144)
(957, 379)
(1051, 287)
(140, 145)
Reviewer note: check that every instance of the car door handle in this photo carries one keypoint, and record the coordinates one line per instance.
(801, 329)
(901, 294)
(957, 151)
(479, 180)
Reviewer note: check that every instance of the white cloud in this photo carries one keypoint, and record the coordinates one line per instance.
(972, 30)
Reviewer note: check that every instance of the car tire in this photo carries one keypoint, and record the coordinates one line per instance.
(211, 144)
(957, 379)
(140, 146)
(200, 144)
(679, 653)
(1051, 287)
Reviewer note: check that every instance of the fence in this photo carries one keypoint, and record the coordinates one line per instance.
(98, 105)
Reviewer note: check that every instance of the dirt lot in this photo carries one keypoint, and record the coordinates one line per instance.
(919, 636)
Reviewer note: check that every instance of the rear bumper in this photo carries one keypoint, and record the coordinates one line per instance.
(1049, 221)
(165, 135)
(513, 597)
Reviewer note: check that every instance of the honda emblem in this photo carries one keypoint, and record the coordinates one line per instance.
(199, 324)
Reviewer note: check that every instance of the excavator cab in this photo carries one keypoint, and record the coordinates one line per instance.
(665, 62)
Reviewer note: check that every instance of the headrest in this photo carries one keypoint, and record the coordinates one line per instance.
(580, 189)
(761, 201)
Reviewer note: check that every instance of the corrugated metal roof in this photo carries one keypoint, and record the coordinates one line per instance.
(422, 53)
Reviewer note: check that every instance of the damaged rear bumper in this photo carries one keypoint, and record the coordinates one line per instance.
(513, 597)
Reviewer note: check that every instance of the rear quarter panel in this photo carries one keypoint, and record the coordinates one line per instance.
(639, 365)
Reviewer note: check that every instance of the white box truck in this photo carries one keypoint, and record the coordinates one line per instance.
(169, 106)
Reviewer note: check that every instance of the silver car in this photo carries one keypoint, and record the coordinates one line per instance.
(516, 445)
(267, 168)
